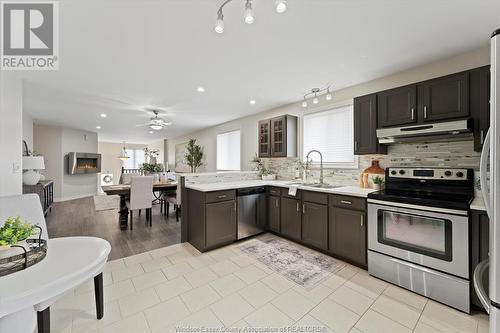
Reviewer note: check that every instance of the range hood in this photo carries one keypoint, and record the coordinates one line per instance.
(445, 131)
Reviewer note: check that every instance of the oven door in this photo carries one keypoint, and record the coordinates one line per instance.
(432, 237)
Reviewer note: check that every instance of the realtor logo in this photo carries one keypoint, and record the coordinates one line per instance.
(29, 36)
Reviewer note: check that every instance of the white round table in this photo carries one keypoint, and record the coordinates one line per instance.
(70, 261)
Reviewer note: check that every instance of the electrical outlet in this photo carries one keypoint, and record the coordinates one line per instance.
(16, 168)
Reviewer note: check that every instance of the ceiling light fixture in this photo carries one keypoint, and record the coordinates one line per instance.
(103, 115)
(200, 89)
(98, 127)
(252, 102)
(123, 155)
(281, 6)
(155, 127)
(249, 15)
(151, 132)
(315, 93)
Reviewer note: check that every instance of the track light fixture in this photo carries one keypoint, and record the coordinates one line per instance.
(315, 92)
(249, 15)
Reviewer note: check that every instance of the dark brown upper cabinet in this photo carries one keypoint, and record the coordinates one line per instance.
(265, 138)
(291, 216)
(278, 137)
(365, 126)
(444, 98)
(480, 103)
(397, 106)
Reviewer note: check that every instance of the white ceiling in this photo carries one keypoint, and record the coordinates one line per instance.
(117, 56)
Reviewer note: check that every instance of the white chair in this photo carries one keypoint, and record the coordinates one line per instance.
(141, 189)
(126, 178)
(174, 199)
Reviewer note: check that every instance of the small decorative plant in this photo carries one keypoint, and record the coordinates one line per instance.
(151, 154)
(14, 231)
(378, 182)
(194, 156)
(260, 165)
(152, 167)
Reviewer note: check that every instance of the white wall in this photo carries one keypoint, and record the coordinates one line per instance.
(54, 143)
(28, 130)
(248, 125)
(11, 133)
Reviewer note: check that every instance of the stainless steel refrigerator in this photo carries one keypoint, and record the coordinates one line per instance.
(490, 159)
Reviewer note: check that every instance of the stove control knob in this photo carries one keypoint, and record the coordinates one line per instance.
(460, 174)
(393, 172)
(402, 172)
(447, 173)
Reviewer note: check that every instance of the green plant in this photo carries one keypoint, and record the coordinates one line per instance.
(152, 167)
(261, 166)
(301, 165)
(14, 231)
(194, 155)
(378, 180)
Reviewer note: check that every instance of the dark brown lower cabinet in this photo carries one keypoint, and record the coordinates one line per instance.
(291, 216)
(347, 234)
(315, 225)
(274, 208)
(220, 223)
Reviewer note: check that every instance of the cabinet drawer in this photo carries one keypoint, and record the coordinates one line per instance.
(220, 196)
(316, 197)
(348, 202)
(275, 191)
(284, 193)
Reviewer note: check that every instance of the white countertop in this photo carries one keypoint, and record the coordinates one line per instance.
(478, 204)
(344, 190)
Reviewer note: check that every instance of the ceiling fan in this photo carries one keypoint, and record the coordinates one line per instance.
(156, 123)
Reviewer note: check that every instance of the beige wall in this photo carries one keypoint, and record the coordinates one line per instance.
(28, 130)
(248, 125)
(54, 143)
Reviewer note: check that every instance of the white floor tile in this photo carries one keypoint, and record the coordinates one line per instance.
(118, 290)
(243, 260)
(335, 316)
(447, 319)
(399, 312)
(114, 265)
(293, 304)
(258, 294)
(227, 285)
(373, 322)
(137, 259)
(222, 254)
(156, 264)
(316, 294)
(176, 270)
(148, 280)
(137, 302)
(351, 299)
(334, 281)
(268, 317)
(424, 328)
(367, 285)
(224, 267)
(201, 261)
(172, 288)
(134, 324)
(200, 297)
(166, 313)
(89, 284)
(127, 273)
(405, 296)
(250, 274)
(87, 321)
(200, 277)
(201, 319)
(231, 309)
(310, 324)
(278, 283)
(180, 256)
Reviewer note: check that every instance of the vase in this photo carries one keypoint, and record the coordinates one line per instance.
(377, 187)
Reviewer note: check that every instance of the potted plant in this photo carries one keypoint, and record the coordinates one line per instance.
(265, 172)
(378, 182)
(194, 156)
(14, 232)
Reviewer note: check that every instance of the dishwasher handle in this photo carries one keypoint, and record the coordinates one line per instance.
(250, 191)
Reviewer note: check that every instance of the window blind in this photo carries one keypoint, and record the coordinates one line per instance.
(228, 151)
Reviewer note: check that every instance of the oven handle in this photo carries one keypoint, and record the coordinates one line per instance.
(418, 207)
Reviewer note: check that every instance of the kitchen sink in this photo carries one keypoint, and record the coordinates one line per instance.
(319, 185)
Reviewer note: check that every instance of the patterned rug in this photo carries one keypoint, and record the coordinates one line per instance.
(106, 202)
(297, 263)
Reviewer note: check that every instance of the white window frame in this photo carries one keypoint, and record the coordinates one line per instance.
(217, 152)
(132, 154)
(316, 162)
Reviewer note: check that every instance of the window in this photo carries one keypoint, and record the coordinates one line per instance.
(332, 133)
(228, 151)
(136, 158)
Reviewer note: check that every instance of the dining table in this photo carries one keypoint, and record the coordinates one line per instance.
(123, 190)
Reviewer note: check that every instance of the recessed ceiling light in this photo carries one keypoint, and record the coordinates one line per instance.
(151, 132)
(200, 89)
(253, 101)
(98, 127)
(103, 115)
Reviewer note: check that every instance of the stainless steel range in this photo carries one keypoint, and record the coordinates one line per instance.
(418, 232)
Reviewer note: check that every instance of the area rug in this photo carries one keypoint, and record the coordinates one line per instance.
(106, 202)
(297, 263)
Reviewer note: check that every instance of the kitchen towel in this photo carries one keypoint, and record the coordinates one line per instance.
(292, 190)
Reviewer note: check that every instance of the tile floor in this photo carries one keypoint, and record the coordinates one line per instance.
(177, 287)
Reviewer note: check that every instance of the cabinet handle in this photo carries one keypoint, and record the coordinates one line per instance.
(345, 202)
(221, 196)
(425, 112)
(304, 208)
(355, 145)
(482, 136)
(235, 206)
(412, 113)
(362, 220)
(298, 209)
(276, 203)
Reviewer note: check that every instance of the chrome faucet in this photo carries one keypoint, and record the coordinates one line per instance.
(321, 163)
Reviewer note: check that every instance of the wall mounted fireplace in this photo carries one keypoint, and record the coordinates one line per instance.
(81, 163)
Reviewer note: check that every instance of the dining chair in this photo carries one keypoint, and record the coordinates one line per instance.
(174, 198)
(125, 178)
(140, 197)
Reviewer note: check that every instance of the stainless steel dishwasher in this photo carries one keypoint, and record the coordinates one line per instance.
(252, 211)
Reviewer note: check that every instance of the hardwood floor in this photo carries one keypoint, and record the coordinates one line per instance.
(79, 218)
